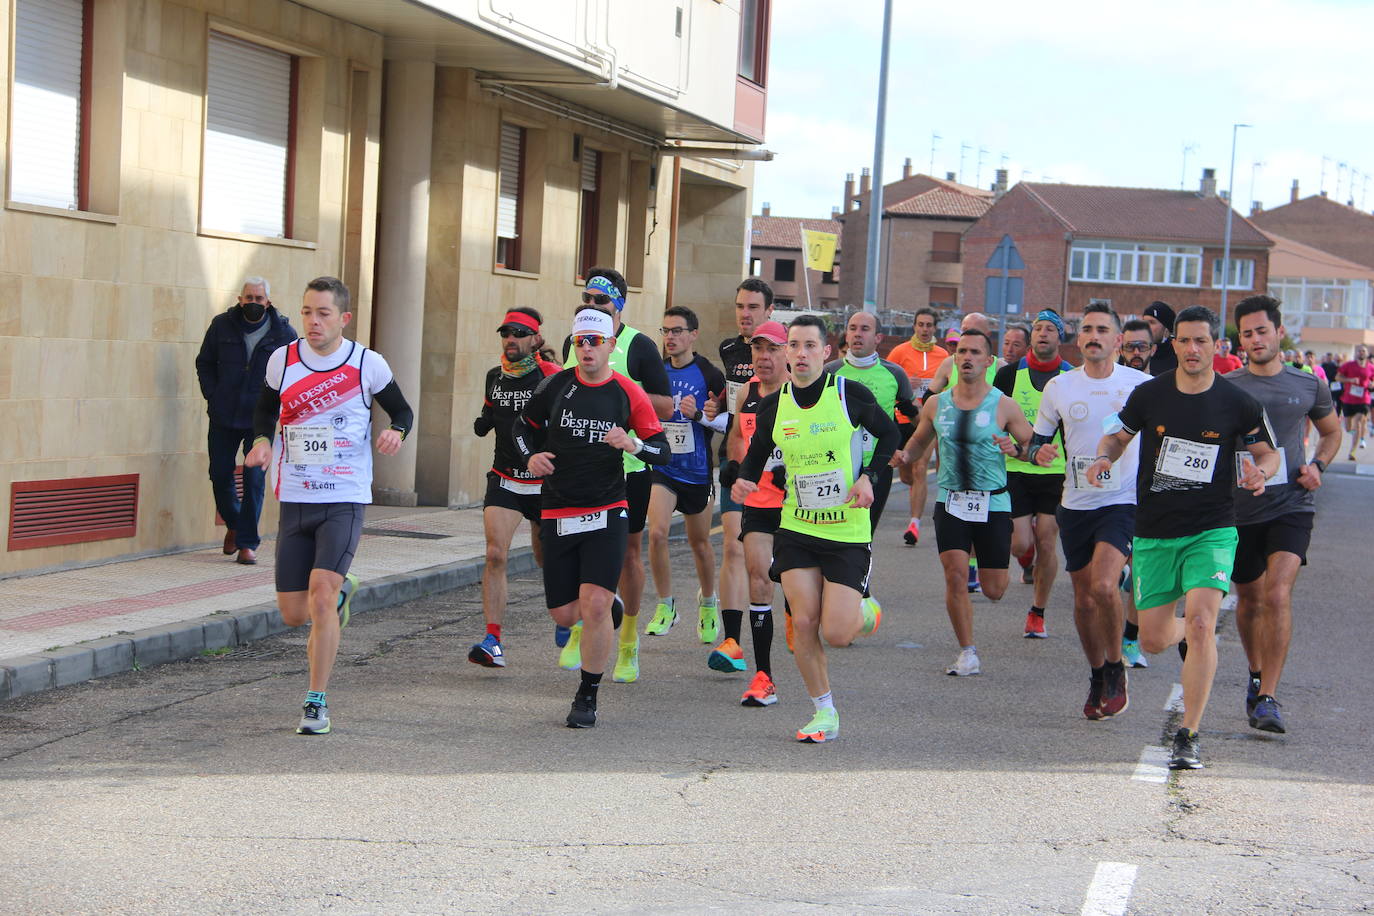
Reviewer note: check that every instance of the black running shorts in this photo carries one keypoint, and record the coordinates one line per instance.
(315, 536)
(760, 520)
(839, 562)
(593, 557)
(1081, 530)
(1290, 533)
(501, 495)
(1034, 494)
(991, 540)
(692, 498)
(637, 488)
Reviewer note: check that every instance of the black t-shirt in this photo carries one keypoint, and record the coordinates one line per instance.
(1165, 359)
(1187, 454)
(737, 356)
(501, 406)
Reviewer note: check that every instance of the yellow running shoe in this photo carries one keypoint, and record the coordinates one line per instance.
(727, 657)
(823, 727)
(627, 664)
(664, 618)
(571, 656)
(873, 615)
(708, 619)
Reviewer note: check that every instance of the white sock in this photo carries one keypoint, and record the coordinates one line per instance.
(668, 600)
(824, 701)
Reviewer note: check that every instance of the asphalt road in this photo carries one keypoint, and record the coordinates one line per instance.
(450, 788)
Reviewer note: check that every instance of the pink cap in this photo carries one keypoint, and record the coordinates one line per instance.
(771, 331)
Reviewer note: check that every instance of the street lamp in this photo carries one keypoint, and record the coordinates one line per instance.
(875, 197)
(1230, 209)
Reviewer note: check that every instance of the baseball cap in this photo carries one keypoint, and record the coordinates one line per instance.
(771, 331)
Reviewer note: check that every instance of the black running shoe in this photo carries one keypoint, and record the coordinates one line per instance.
(1183, 649)
(583, 712)
(1266, 716)
(1252, 696)
(1185, 755)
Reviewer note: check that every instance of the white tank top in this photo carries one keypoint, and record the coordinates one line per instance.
(324, 452)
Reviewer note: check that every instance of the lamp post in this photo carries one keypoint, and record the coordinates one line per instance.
(875, 197)
(1230, 209)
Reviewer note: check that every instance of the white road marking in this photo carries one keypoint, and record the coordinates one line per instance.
(1110, 889)
(1153, 765)
(1175, 701)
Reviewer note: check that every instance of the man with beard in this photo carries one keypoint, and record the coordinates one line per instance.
(1160, 317)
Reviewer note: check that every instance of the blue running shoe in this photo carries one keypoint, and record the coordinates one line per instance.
(560, 636)
(1266, 716)
(487, 653)
(1252, 696)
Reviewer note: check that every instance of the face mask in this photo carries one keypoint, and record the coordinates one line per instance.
(253, 311)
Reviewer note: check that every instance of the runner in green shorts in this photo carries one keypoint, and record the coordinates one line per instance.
(1166, 569)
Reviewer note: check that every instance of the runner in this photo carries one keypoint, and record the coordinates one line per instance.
(1225, 361)
(972, 510)
(1185, 535)
(321, 389)
(1356, 377)
(753, 306)
(636, 358)
(823, 548)
(920, 357)
(1016, 343)
(1095, 524)
(1274, 529)
(1160, 317)
(1137, 346)
(762, 508)
(1332, 369)
(684, 483)
(512, 494)
(1036, 491)
(572, 433)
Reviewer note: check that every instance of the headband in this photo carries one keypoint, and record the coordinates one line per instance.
(591, 321)
(520, 318)
(604, 285)
(1053, 318)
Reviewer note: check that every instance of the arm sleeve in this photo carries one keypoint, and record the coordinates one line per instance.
(643, 418)
(715, 385)
(486, 419)
(904, 391)
(1005, 379)
(529, 431)
(761, 446)
(646, 367)
(865, 411)
(396, 407)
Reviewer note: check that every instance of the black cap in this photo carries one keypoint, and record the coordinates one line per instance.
(1161, 312)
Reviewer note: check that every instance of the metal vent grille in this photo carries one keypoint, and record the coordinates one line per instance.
(47, 513)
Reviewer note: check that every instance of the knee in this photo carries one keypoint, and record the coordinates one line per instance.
(295, 617)
(1152, 642)
(564, 616)
(1197, 630)
(993, 591)
(836, 635)
(496, 556)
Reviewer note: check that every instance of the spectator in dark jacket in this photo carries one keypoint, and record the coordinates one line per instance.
(231, 365)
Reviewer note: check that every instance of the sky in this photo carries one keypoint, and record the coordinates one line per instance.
(1075, 91)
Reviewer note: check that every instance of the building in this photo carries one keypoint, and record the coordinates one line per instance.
(920, 250)
(447, 159)
(776, 256)
(1070, 245)
(1324, 224)
(1328, 302)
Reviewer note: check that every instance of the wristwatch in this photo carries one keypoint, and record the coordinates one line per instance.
(700, 413)
(1320, 465)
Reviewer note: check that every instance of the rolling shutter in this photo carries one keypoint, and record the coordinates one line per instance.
(247, 127)
(45, 137)
(591, 159)
(508, 198)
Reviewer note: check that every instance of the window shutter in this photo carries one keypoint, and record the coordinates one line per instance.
(590, 160)
(508, 198)
(248, 118)
(46, 127)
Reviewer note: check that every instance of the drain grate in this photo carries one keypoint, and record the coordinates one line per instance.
(420, 535)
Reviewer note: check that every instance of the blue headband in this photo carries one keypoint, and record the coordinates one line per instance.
(1053, 318)
(604, 285)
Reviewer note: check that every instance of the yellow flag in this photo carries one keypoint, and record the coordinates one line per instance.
(820, 249)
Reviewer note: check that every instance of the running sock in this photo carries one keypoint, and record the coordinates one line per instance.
(1255, 676)
(1115, 667)
(590, 684)
(734, 622)
(629, 632)
(494, 629)
(916, 523)
(824, 701)
(1100, 673)
(315, 696)
(1132, 631)
(761, 625)
(1038, 611)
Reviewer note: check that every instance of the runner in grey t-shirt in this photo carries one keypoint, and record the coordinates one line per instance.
(1275, 527)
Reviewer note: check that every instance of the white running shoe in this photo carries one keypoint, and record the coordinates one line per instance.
(966, 665)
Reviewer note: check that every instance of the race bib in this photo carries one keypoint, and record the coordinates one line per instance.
(824, 490)
(593, 521)
(1187, 460)
(1078, 474)
(308, 444)
(679, 433)
(1245, 460)
(731, 393)
(970, 505)
(1335, 386)
(919, 387)
(1357, 391)
(519, 488)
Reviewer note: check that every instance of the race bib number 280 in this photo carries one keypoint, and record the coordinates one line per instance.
(1184, 459)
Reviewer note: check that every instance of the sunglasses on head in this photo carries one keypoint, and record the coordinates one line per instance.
(597, 298)
(589, 340)
(515, 332)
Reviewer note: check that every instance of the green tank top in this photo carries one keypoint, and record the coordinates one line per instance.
(619, 362)
(878, 379)
(969, 459)
(1028, 399)
(823, 453)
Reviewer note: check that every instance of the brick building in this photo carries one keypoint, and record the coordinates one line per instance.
(1323, 224)
(1328, 302)
(776, 256)
(1124, 246)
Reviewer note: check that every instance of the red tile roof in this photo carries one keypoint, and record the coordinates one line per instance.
(943, 202)
(785, 231)
(1144, 213)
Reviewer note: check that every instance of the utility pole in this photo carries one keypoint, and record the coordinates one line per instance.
(875, 197)
(934, 140)
(1183, 178)
(1230, 210)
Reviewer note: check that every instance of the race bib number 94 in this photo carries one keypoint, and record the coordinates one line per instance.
(308, 444)
(1185, 459)
(969, 505)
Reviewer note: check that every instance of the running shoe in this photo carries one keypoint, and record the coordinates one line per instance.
(1186, 753)
(315, 721)
(487, 653)
(789, 630)
(1362, 442)
(1028, 575)
(1266, 716)
(761, 691)
(626, 664)
(664, 618)
(824, 726)
(583, 712)
(1092, 706)
(873, 615)
(1125, 583)
(727, 657)
(560, 636)
(912, 534)
(1035, 626)
(708, 619)
(966, 665)
(1252, 696)
(973, 586)
(1114, 696)
(1131, 654)
(346, 592)
(571, 656)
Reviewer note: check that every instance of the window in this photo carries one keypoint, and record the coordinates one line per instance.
(1240, 276)
(1136, 263)
(785, 270)
(509, 198)
(49, 129)
(755, 267)
(943, 297)
(753, 41)
(591, 211)
(944, 247)
(246, 182)
(828, 277)
(1324, 302)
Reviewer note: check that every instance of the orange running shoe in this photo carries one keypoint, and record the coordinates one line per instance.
(727, 657)
(761, 691)
(791, 632)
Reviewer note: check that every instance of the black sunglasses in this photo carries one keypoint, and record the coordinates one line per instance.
(515, 332)
(598, 298)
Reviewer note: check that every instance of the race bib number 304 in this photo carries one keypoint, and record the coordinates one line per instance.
(825, 490)
(308, 444)
(1185, 459)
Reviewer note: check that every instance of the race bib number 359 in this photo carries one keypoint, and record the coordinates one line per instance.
(592, 521)
(308, 444)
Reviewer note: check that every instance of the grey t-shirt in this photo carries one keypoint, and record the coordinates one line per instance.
(1289, 398)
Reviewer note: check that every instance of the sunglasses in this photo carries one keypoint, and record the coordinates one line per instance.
(515, 332)
(673, 332)
(589, 340)
(1137, 347)
(597, 298)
